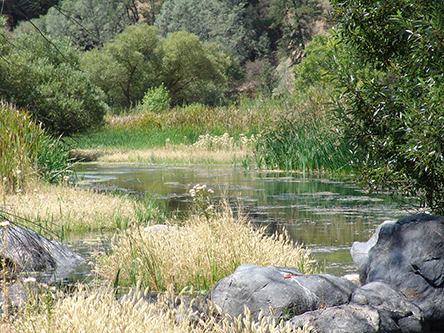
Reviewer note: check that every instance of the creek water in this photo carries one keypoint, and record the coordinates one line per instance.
(325, 214)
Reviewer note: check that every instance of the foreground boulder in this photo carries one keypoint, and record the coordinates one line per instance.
(373, 308)
(278, 292)
(25, 250)
(409, 256)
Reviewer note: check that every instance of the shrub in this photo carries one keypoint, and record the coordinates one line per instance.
(394, 120)
(43, 76)
(155, 100)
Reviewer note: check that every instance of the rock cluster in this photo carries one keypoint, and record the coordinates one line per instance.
(401, 270)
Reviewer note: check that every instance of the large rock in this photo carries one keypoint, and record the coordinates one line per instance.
(25, 250)
(359, 250)
(375, 307)
(278, 292)
(409, 256)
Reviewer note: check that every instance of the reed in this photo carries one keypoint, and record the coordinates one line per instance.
(304, 139)
(27, 152)
(196, 253)
(20, 139)
(178, 125)
(97, 310)
(296, 133)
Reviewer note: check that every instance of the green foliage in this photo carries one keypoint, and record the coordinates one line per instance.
(267, 81)
(87, 23)
(294, 20)
(155, 100)
(42, 75)
(303, 139)
(189, 68)
(216, 21)
(317, 64)
(25, 10)
(125, 67)
(26, 150)
(395, 119)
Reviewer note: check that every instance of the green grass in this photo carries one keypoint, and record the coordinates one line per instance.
(297, 133)
(305, 138)
(134, 138)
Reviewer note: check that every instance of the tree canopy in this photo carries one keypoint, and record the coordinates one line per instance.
(190, 69)
(87, 23)
(395, 120)
(136, 60)
(124, 67)
(44, 77)
(216, 21)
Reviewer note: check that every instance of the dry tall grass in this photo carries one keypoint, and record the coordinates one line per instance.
(97, 311)
(209, 149)
(197, 253)
(179, 154)
(60, 206)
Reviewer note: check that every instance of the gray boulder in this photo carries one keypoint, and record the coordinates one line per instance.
(359, 250)
(277, 291)
(340, 319)
(409, 256)
(25, 250)
(374, 308)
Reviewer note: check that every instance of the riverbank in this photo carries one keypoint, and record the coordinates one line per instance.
(61, 205)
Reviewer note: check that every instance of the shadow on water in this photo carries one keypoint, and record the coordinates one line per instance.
(326, 214)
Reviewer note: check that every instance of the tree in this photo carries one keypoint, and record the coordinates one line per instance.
(136, 60)
(43, 76)
(19, 10)
(189, 68)
(87, 23)
(294, 19)
(216, 21)
(395, 119)
(125, 67)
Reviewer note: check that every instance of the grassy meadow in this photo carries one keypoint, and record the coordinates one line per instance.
(295, 133)
(193, 252)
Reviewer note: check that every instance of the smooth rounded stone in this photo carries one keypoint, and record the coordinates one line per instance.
(277, 291)
(396, 312)
(359, 250)
(409, 256)
(375, 307)
(25, 250)
(340, 319)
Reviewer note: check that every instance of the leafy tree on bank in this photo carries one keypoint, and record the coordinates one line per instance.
(125, 67)
(43, 76)
(395, 120)
(191, 69)
(136, 60)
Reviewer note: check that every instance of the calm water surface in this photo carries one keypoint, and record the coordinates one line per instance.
(326, 214)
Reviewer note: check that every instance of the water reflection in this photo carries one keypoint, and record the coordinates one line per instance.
(325, 214)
